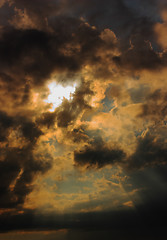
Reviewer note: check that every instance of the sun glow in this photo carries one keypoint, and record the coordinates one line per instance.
(58, 93)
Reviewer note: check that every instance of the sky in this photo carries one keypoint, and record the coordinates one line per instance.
(83, 119)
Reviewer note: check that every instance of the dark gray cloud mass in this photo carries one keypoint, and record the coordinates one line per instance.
(98, 155)
(18, 166)
(156, 107)
(149, 152)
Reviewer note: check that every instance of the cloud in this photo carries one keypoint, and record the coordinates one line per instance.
(160, 28)
(28, 129)
(98, 155)
(18, 171)
(141, 55)
(155, 108)
(18, 166)
(35, 56)
(35, 53)
(149, 152)
(5, 123)
(116, 119)
(69, 110)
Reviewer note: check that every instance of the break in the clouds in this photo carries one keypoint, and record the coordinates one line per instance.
(81, 163)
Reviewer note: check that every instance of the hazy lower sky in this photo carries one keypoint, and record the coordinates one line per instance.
(83, 119)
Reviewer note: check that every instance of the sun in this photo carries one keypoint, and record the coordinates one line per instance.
(58, 93)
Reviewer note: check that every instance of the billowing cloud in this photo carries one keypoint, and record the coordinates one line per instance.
(18, 164)
(149, 152)
(156, 107)
(88, 156)
(98, 155)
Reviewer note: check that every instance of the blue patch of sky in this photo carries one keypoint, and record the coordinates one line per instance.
(139, 133)
(59, 148)
(107, 102)
(74, 183)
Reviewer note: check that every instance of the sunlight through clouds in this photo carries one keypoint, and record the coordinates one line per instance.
(58, 93)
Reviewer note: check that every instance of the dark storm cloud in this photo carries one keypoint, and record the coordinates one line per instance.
(5, 123)
(40, 52)
(66, 43)
(18, 161)
(140, 56)
(33, 55)
(149, 152)
(40, 10)
(132, 21)
(114, 14)
(28, 129)
(18, 166)
(98, 155)
(47, 119)
(59, 41)
(124, 17)
(99, 12)
(6, 13)
(156, 107)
